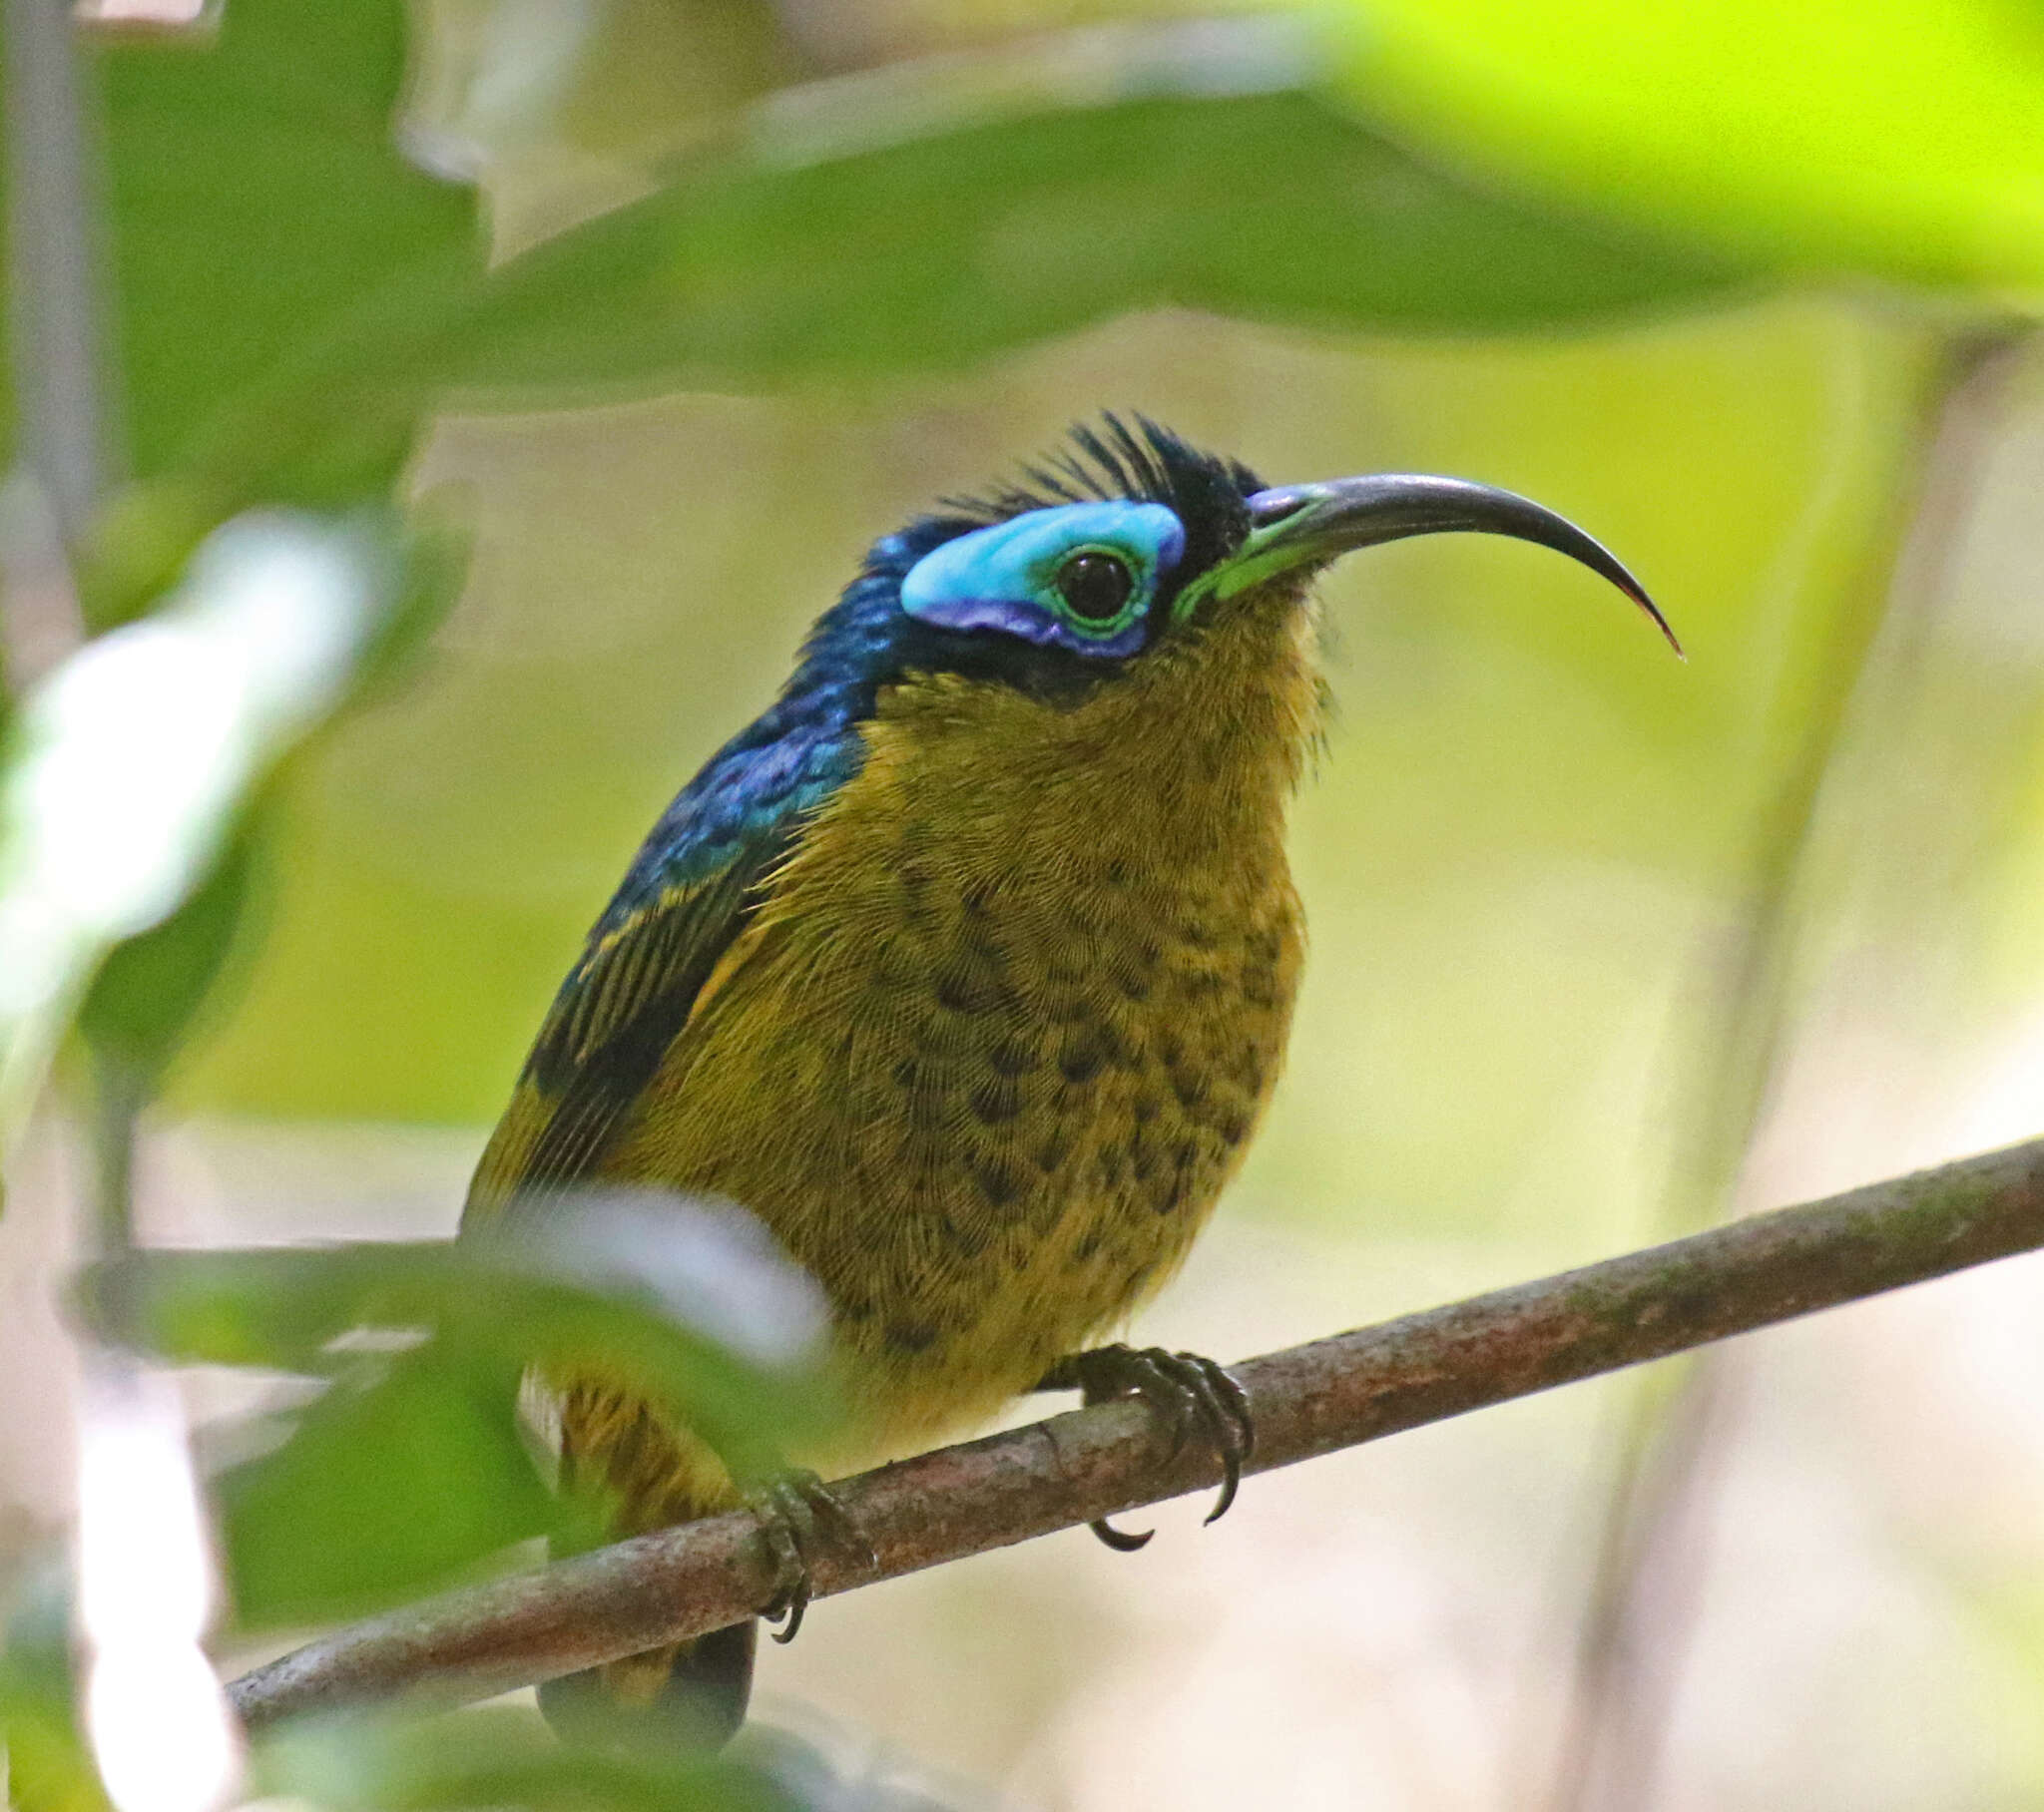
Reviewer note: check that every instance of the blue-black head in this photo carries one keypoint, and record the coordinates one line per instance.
(1128, 540)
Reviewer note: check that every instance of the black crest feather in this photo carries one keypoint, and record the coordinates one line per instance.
(1143, 463)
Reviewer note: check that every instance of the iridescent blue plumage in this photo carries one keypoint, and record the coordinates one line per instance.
(786, 760)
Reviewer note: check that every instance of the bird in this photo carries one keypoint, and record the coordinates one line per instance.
(967, 968)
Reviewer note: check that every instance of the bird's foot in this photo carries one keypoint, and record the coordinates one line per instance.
(798, 1516)
(1193, 1394)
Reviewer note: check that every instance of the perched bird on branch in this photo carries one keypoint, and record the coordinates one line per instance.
(968, 965)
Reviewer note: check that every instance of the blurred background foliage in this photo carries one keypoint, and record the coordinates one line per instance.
(660, 310)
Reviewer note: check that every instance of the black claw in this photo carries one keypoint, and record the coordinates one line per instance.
(1193, 1394)
(792, 1511)
(1121, 1541)
(789, 1616)
(1226, 1407)
(1231, 1482)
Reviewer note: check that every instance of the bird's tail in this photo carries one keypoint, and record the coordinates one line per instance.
(689, 1693)
(647, 1474)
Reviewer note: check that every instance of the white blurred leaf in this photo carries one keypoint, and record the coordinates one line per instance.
(161, 1728)
(130, 762)
(696, 1260)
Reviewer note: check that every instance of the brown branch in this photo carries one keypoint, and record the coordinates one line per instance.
(1307, 1401)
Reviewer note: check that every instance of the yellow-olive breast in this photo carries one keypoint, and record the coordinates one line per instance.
(1008, 1014)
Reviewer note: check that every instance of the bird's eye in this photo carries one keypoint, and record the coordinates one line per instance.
(1095, 586)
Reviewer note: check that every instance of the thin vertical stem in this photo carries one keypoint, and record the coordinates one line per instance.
(65, 449)
(1626, 1674)
(53, 271)
(120, 1091)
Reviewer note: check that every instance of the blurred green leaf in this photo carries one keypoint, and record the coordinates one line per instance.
(437, 544)
(942, 249)
(1899, 137)
(131, 764)
(275, 1307)
(147, 992)
(411, 1465)
(504, 1757)
(48, 1767)
(402, 1473)
(689, 1300)
(257, 193)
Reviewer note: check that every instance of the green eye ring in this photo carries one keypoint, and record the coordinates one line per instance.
(1095, 590)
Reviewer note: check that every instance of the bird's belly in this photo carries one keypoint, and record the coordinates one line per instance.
(989, 1137)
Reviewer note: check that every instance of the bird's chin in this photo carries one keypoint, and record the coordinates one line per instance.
(1283, 602)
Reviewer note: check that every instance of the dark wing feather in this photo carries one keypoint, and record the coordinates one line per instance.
(620, 1008)
(627, 1001)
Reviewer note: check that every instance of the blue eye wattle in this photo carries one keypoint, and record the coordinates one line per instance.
(1077, 576)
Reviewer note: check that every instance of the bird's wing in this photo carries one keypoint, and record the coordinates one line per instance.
(621, 1007)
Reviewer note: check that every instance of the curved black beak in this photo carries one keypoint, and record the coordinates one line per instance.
(1292, 525)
